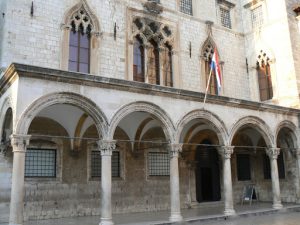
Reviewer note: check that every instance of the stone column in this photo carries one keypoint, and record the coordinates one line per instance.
(273, 155)
(106, 148)
(297, 156)
(226, 153)
(19, 144)
(174, 183)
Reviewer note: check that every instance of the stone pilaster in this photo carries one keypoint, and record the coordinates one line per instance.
(297, 156)
(19, 144)
(226, 152)
(273, 155)
(106, 147)
(175, 149)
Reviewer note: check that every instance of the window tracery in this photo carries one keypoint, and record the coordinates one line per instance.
(155, 41)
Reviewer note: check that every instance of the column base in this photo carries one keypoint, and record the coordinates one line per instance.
(175, 217)
(105, 221)
(277, 206)
(229, 212)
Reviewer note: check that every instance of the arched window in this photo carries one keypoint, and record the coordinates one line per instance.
(264, 77)
(153, 63)
(207, 54)
(167, 66)
(79, 44)
(138, 60)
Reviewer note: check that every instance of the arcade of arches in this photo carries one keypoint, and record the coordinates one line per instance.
(141, 157)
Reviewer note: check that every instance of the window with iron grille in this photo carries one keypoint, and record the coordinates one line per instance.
(243, 167)
(186, 7)
(40, 163)
(267, 168)
(96, 164)
(158, 164)
(225, 17)
(257, 17)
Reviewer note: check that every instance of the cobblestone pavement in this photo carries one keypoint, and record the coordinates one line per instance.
(289, 218)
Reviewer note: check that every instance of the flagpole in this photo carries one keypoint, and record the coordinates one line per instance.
(207, 87)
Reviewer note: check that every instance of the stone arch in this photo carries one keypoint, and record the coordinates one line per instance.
(214, 121)
(7, 104)
(62, 98)
(150, 108)
(293, 131)
(257, 124)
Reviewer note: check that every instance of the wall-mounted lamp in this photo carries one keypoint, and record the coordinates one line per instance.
(190, 49)
(31, 9)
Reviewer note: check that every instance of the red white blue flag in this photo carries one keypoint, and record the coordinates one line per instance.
(215, 65)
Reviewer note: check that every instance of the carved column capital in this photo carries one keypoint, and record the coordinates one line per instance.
(107, 147)
(273, 152)
(175, 149)
(226, 151)
(19, 142)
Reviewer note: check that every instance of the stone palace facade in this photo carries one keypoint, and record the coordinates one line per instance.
(101, 105)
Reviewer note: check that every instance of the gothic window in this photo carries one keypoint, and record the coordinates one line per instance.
(264, 77)
(257, 17)
(138, 60)
(186, 7)
(153, 63)
(167, 66)
(79, 44)
(212, 87)
(225, 17)
(152, 52)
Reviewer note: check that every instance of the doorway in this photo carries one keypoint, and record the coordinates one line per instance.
(207, 173)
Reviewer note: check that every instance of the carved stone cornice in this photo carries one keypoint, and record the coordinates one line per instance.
(175, 149)
(107, 147)
(273, 152)
(19, 142)
(226, 151)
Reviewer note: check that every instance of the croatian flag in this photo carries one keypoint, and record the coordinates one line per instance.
(216, 67)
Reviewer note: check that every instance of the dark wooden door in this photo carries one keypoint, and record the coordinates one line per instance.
(207, 174)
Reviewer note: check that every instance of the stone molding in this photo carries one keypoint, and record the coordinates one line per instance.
(107, 147)
(175, 149)
(19, 142)
(273, 152)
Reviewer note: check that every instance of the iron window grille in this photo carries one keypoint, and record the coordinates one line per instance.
(96, 164)
(158, 164)
(186, 7)
(40, 163)
(257, 17)
(225, 17)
